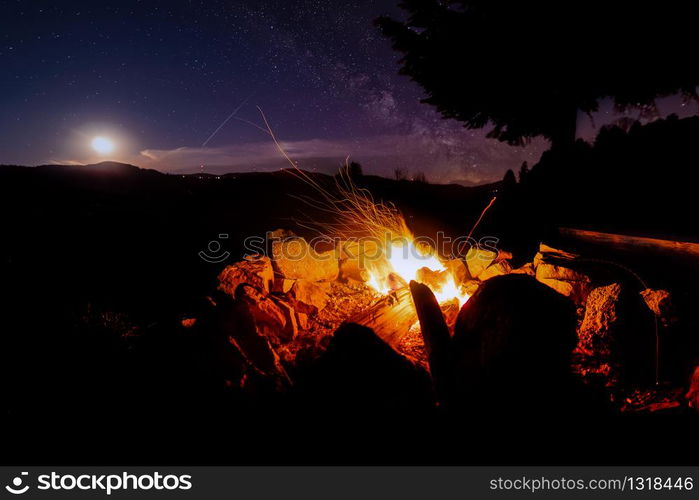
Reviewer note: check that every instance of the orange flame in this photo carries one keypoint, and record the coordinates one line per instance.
(409, 261)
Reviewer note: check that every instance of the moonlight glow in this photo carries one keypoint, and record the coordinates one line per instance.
(102, 145)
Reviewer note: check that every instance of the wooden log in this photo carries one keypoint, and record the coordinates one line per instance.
(627, 242)
(390, 317)
(435, 334)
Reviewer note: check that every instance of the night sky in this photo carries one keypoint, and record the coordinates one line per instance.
(161, 78)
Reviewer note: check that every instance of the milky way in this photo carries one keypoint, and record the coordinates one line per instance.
(163, 77)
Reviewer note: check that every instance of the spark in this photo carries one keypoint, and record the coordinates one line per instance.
(356, 213)
(235, 112)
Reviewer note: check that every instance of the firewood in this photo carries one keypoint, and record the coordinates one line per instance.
(390, 317)
(435, 334)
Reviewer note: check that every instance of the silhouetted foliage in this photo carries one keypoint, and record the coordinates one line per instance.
(624, 182)
(523, 172)
(353, 170)
(400, 174)
(509, 179)
(528, 67)
(350, 173)
(420, 177)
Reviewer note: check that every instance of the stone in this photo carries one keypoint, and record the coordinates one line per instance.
(538, 259)
(601, 316)
(660, 302)
(358, 249)
(619, 329)
(503, 255)
(552, 255)
(308, 296)
(259, 355)
(477, 260)
(290, 329)
(241, 351)
(458, 269)
(471, 287)
(351, 270)
(302, 320)
(281, 234)
(270, 318)
(433, 279)
(293, 258)
(527, 269)
(513, 329)
(495, 269)
(282, 285)
(353, 257)
(255, 271)
(573, 284)
(359, 374)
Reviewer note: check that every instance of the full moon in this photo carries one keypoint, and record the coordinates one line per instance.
(102, 145)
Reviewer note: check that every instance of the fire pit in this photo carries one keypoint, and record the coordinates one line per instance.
(301, 292)
(288, 304)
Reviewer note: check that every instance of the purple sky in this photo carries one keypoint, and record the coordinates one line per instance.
(162, 79)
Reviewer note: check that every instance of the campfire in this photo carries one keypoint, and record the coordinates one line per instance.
(289, 303)
(302, 292)
(376, 253)
(373, 258)
(291, 298)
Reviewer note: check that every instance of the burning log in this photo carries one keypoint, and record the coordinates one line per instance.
(390, 317)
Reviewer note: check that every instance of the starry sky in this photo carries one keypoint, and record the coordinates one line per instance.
(177, 85)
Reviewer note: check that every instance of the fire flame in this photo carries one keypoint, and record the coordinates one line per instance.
(405, 261)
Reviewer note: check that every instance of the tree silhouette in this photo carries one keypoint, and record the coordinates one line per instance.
(509, 180)
(526, 68)
(523, 172)
(420, 177)
(353, 170)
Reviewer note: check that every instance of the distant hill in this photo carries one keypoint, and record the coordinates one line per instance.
(102, 167)
(105, 167)
(390, 189)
